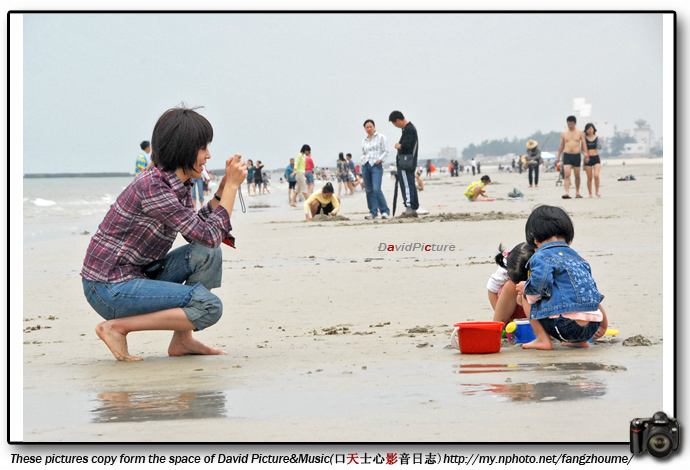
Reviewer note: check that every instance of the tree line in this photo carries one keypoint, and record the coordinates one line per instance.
(611, 145)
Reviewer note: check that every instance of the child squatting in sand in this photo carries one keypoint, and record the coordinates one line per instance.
(562, 297)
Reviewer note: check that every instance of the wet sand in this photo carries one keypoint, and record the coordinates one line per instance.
(331, 339)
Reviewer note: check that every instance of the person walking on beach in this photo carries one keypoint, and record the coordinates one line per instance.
(352, 179)
(289, 178)
(474, 167)
(374, 153)
(250, 177)
(343, 173)
(130, 275)
(533, 161)
(258, 177)
(406, 161)
(309, 172)
(572, 143)
(298, 174)
(592, 161)
(143, 157)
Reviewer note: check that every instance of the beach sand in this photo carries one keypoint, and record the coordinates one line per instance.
(330, 339)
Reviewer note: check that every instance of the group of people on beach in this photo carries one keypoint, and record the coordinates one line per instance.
(374, 155)
(135, 282)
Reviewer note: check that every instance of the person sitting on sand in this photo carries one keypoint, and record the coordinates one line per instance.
(501, 286)
(130, 277)
(322, 202)
(562, 298)
(476, 189)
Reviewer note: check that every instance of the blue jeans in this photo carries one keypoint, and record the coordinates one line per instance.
(372, 175)
(198, 188)
(187, 275)
(569, 330)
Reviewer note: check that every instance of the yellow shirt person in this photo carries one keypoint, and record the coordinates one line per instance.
(322, 202)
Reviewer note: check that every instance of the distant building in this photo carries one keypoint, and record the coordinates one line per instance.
(643, 141)
(449, 153)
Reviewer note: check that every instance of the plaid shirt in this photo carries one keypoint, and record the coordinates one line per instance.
(142, 224)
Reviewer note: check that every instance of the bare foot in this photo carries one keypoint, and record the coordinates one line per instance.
(583, 344)
(183, 344)
(116, 342)
(538, 344)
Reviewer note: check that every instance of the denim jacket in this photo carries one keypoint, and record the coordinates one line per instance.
(562, 279)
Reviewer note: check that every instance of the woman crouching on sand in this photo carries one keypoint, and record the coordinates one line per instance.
(130, 277)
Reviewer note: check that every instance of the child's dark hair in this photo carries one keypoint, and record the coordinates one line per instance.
(546, 222)
(145, 144)
(515, 261)
(177, 138)
(305, 148)
(328, 188)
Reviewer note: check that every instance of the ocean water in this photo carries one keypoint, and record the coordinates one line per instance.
(57, 207)
(61, 206)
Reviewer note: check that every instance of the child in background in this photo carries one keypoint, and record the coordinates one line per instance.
(562, 297)
(476, 189)
(501, 286)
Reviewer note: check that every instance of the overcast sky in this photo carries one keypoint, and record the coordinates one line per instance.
(95, 84)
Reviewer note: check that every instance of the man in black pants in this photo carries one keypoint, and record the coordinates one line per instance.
(406, 146)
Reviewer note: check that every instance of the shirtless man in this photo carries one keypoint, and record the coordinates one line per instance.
(572, 143)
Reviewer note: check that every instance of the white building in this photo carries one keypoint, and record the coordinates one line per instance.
(643, 141)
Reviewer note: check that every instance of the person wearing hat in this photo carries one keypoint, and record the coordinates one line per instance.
(476, 189)
(533, 160)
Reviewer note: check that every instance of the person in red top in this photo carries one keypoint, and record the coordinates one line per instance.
(309, 172)
(130, 277)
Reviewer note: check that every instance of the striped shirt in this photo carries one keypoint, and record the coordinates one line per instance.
(142, 224)
(374, 149)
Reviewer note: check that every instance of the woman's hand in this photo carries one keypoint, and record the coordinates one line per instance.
(235, 171)
(308, 216)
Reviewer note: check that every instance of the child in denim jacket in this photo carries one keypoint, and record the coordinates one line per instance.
(562, 297)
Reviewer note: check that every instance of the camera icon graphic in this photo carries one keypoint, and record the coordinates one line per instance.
(659, 435)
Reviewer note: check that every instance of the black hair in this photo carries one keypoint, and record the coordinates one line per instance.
(177, 138)
(517, 262)
(395, 115)
(145, 144)
(328, 188)
(571, 118)
(486, 179)
(340, 156)
(250, 161)
(305, 148)
(588, 125)
(369, 120)
(546, 222)
(349, 155)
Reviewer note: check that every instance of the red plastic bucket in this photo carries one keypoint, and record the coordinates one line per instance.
(479, 337)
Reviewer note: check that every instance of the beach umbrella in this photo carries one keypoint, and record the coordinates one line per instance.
(548, 156)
